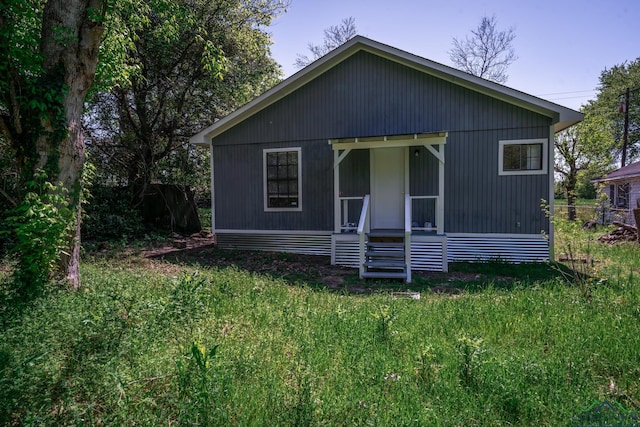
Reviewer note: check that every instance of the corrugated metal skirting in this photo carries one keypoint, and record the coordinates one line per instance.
(309, 244)
(510, 249)
(347, 253)
(428, 256)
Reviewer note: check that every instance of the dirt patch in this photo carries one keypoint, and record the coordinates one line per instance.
(203, 251)
(167, 256)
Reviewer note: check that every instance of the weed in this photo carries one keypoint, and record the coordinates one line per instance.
(575, 248)
(197, 386)
(425, 368)
(384, 320)
(300, 406)
(469, 351)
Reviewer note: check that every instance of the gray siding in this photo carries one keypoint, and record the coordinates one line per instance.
(355, 178)
(478, 200)
(367, 95)
(239, 188)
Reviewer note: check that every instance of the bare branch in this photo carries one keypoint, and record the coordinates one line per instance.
(487, 53)
(334, 36)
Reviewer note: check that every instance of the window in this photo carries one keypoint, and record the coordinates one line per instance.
(622, 196)
(523, 157)
(282, 178)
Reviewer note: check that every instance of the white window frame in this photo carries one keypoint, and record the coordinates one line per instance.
(545, 158)
(264, 179)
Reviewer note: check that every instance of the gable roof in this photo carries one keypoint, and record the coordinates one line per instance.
(562, 117)
(629, 171)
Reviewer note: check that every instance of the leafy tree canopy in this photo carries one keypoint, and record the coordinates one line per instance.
(608, 107)
(191, 62)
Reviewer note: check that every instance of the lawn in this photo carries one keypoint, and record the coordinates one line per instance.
(219, 338)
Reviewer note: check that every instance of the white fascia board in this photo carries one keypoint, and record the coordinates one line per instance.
(630, 177)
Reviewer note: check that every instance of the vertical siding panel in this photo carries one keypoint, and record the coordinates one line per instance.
(367, 95)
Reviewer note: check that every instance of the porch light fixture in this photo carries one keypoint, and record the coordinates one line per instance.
(416, 152)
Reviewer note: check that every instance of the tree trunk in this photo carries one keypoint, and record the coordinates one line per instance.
(71, 54)
(571, 195)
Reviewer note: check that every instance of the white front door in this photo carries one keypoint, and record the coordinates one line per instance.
(387, 188)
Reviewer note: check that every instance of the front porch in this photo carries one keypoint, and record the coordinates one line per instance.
(398, 224)
(427, 252)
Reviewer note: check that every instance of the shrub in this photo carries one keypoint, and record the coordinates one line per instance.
(108, 215)
(39, 228)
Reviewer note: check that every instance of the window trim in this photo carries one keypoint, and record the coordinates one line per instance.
(622, 188)
(264, 178)
(545, 157)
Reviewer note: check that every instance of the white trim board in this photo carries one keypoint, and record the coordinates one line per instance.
(545, 150)
(266, 151)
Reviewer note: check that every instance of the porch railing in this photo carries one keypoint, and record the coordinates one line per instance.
(345, 225)
(438, 224)
(349, 206)
(364, 225)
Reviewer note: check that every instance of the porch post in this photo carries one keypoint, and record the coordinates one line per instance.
(440, 211)
(336, 191)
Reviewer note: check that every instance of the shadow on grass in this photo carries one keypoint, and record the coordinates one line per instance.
(316, 272)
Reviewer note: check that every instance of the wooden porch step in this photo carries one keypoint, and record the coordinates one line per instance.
(378, 233)
(386, 264)
(384, 275)
(376, 253)
(386, 245)
(385, 255)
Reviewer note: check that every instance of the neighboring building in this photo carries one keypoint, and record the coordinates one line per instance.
(387, 162)
(622, 186)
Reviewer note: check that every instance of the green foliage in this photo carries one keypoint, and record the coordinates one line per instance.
(469, 350)
(576, 248)
(384, 316)
(197, 386)
(149, 342)
(604, 111)
(582, 153)
(108, 215)
(186, 63)
(585, 189)
(40, 226)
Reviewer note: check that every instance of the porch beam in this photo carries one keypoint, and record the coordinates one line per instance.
(437, 138)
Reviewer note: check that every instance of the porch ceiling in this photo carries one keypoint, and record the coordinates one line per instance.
(431, 138)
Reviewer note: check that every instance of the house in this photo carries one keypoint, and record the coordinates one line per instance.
(622, 186)
(387, 162)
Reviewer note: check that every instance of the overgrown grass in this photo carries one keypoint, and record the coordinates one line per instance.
(205, 218)
(222, 346)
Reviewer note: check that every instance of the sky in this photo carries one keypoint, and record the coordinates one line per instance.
(562, 45)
